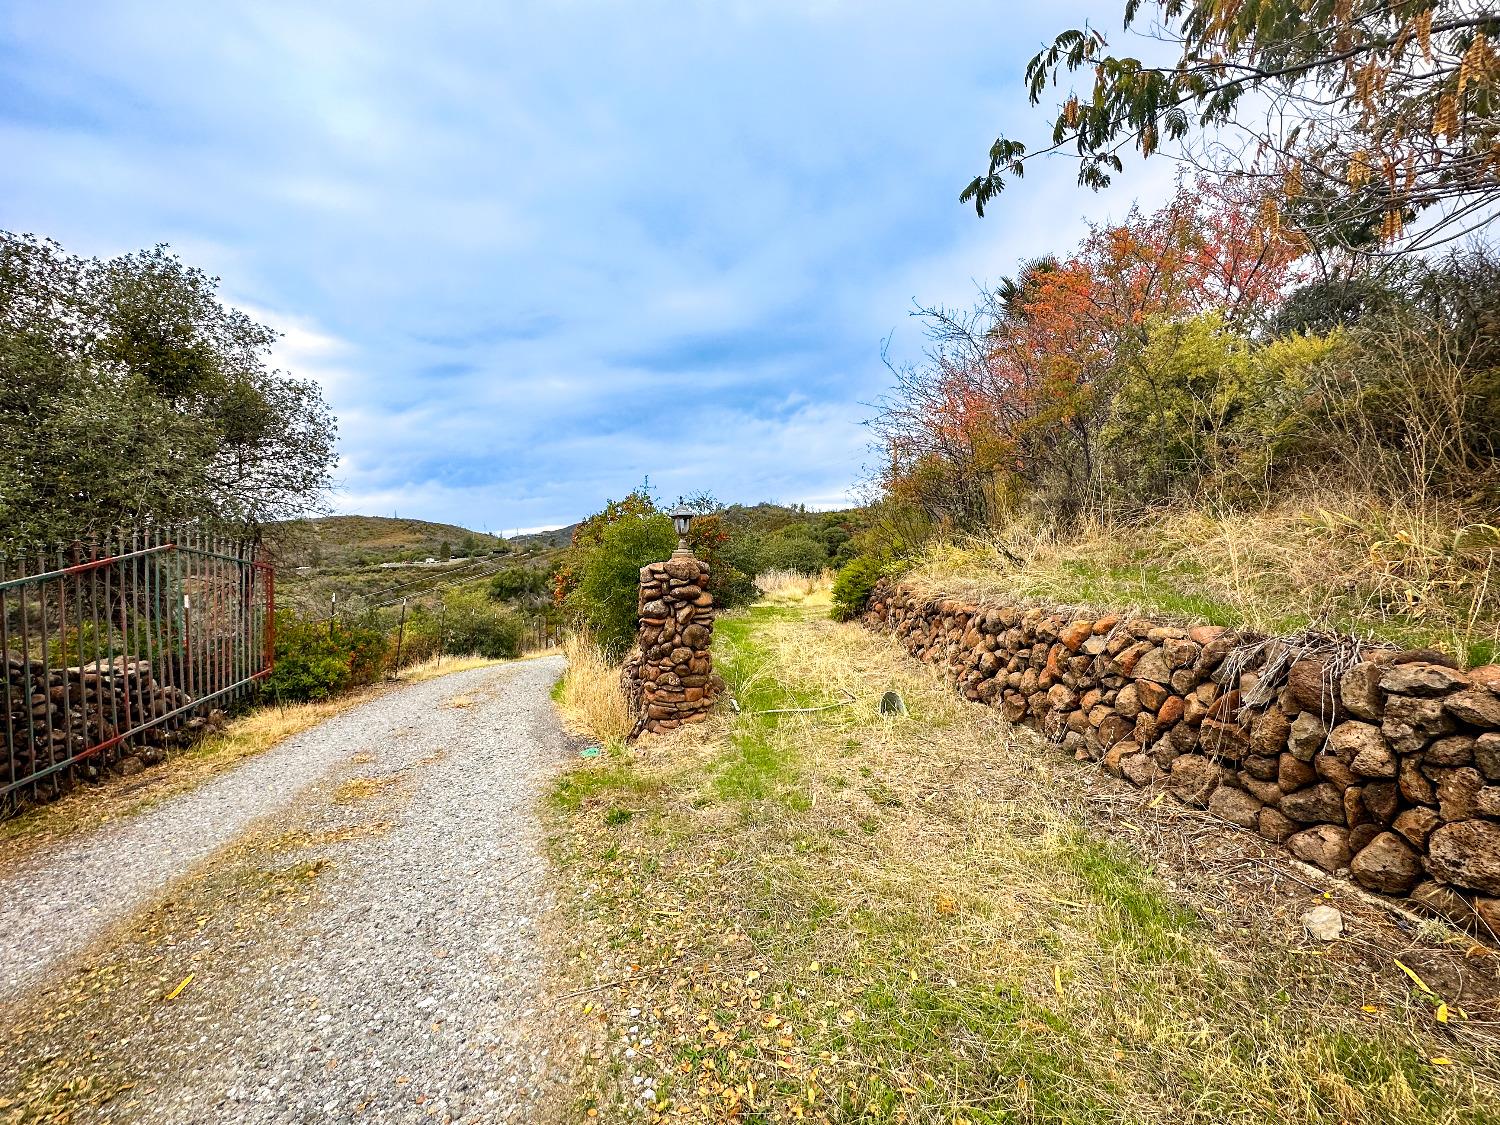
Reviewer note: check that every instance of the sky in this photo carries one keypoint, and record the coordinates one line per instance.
(536, 253)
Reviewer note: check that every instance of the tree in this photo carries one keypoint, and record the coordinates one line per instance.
(1015, 391)
(608, 574)
(129, 393)
(1376, 119)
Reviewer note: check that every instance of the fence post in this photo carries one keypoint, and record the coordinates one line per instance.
(400, 636)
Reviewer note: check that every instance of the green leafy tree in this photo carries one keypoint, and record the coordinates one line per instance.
(129, 392)
(1368, 114)
(609, 575)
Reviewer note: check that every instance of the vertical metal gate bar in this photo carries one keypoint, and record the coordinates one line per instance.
(62, 644)
(10, 703)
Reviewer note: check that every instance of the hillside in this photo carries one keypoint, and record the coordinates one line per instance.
(338, 541)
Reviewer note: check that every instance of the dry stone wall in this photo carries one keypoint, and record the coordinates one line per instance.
(1375, 763)
(56, 714)
(670, 672)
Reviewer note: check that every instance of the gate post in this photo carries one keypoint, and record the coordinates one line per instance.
(673, 666)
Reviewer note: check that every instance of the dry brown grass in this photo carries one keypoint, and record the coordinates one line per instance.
(940, 918)
(795, 588)
(1416, 574)
(589, 694)
(446, 666)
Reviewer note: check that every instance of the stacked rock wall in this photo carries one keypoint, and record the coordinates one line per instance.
(58, 713)
(1374, 762)
(671, 671)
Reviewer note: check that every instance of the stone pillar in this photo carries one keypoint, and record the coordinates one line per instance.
(672, 667)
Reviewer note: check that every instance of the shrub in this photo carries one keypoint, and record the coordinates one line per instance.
(310, 663)
(793, 548)
(515, 582)
(475, 625)
(368, 651)
(609, 575)
(853, 586)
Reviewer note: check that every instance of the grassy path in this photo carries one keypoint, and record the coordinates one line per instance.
(836, 916)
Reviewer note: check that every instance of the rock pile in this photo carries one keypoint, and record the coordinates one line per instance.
(1384, 766)
(55, 715)
(670, 673)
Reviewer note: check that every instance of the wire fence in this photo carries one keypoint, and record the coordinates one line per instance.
(125, 644)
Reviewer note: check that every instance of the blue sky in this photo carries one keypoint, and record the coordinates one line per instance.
(537, 252)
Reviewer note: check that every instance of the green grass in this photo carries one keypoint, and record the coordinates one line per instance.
(1140, 915)
(760, 766)
(587, 782)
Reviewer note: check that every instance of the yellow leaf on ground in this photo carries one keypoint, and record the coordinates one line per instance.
(176, 992)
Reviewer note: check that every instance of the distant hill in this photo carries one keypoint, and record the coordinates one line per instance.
(554, 537)
(352, 541)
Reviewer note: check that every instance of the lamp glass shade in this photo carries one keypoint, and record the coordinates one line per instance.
(682, 518)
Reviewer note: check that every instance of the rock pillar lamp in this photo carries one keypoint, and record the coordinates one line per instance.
(670, 674)
(682, 520)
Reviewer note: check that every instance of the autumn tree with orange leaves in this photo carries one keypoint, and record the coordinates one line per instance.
(1015, 392)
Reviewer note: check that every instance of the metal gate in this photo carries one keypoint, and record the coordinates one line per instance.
(125, 641)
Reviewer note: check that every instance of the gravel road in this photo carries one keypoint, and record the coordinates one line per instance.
(344, 929)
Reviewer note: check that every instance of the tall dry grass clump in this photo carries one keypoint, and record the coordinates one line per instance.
(590, 695)
(794, 586)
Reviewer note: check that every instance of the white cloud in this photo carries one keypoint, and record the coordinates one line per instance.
(534, 252)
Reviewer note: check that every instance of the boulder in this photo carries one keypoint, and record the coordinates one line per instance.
(1467, 854)
(1152, 666)
(1321, 803)
(1479, 707)
(1364, 748)
(1308, 682)
(1381, 800)
(1151, 694)
(1292, 773)
(1359, 689)
(1417, 824)
(1228, 740)
(1171, 710)
(1128, 702)
(1307, 736)
(1411, 722)
(1457, 790)
(1413, 783)
(1275, 825)
(1194, 778)
(1266, 792)
(1141, 769)
(1419, 678)
(1332, 769)
(1387, 864)
(1455, 750)
(1324, 846)
(1269, 732)
(1075, 633)
(1235, 806)
(1487, 755)
(1261, 768)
